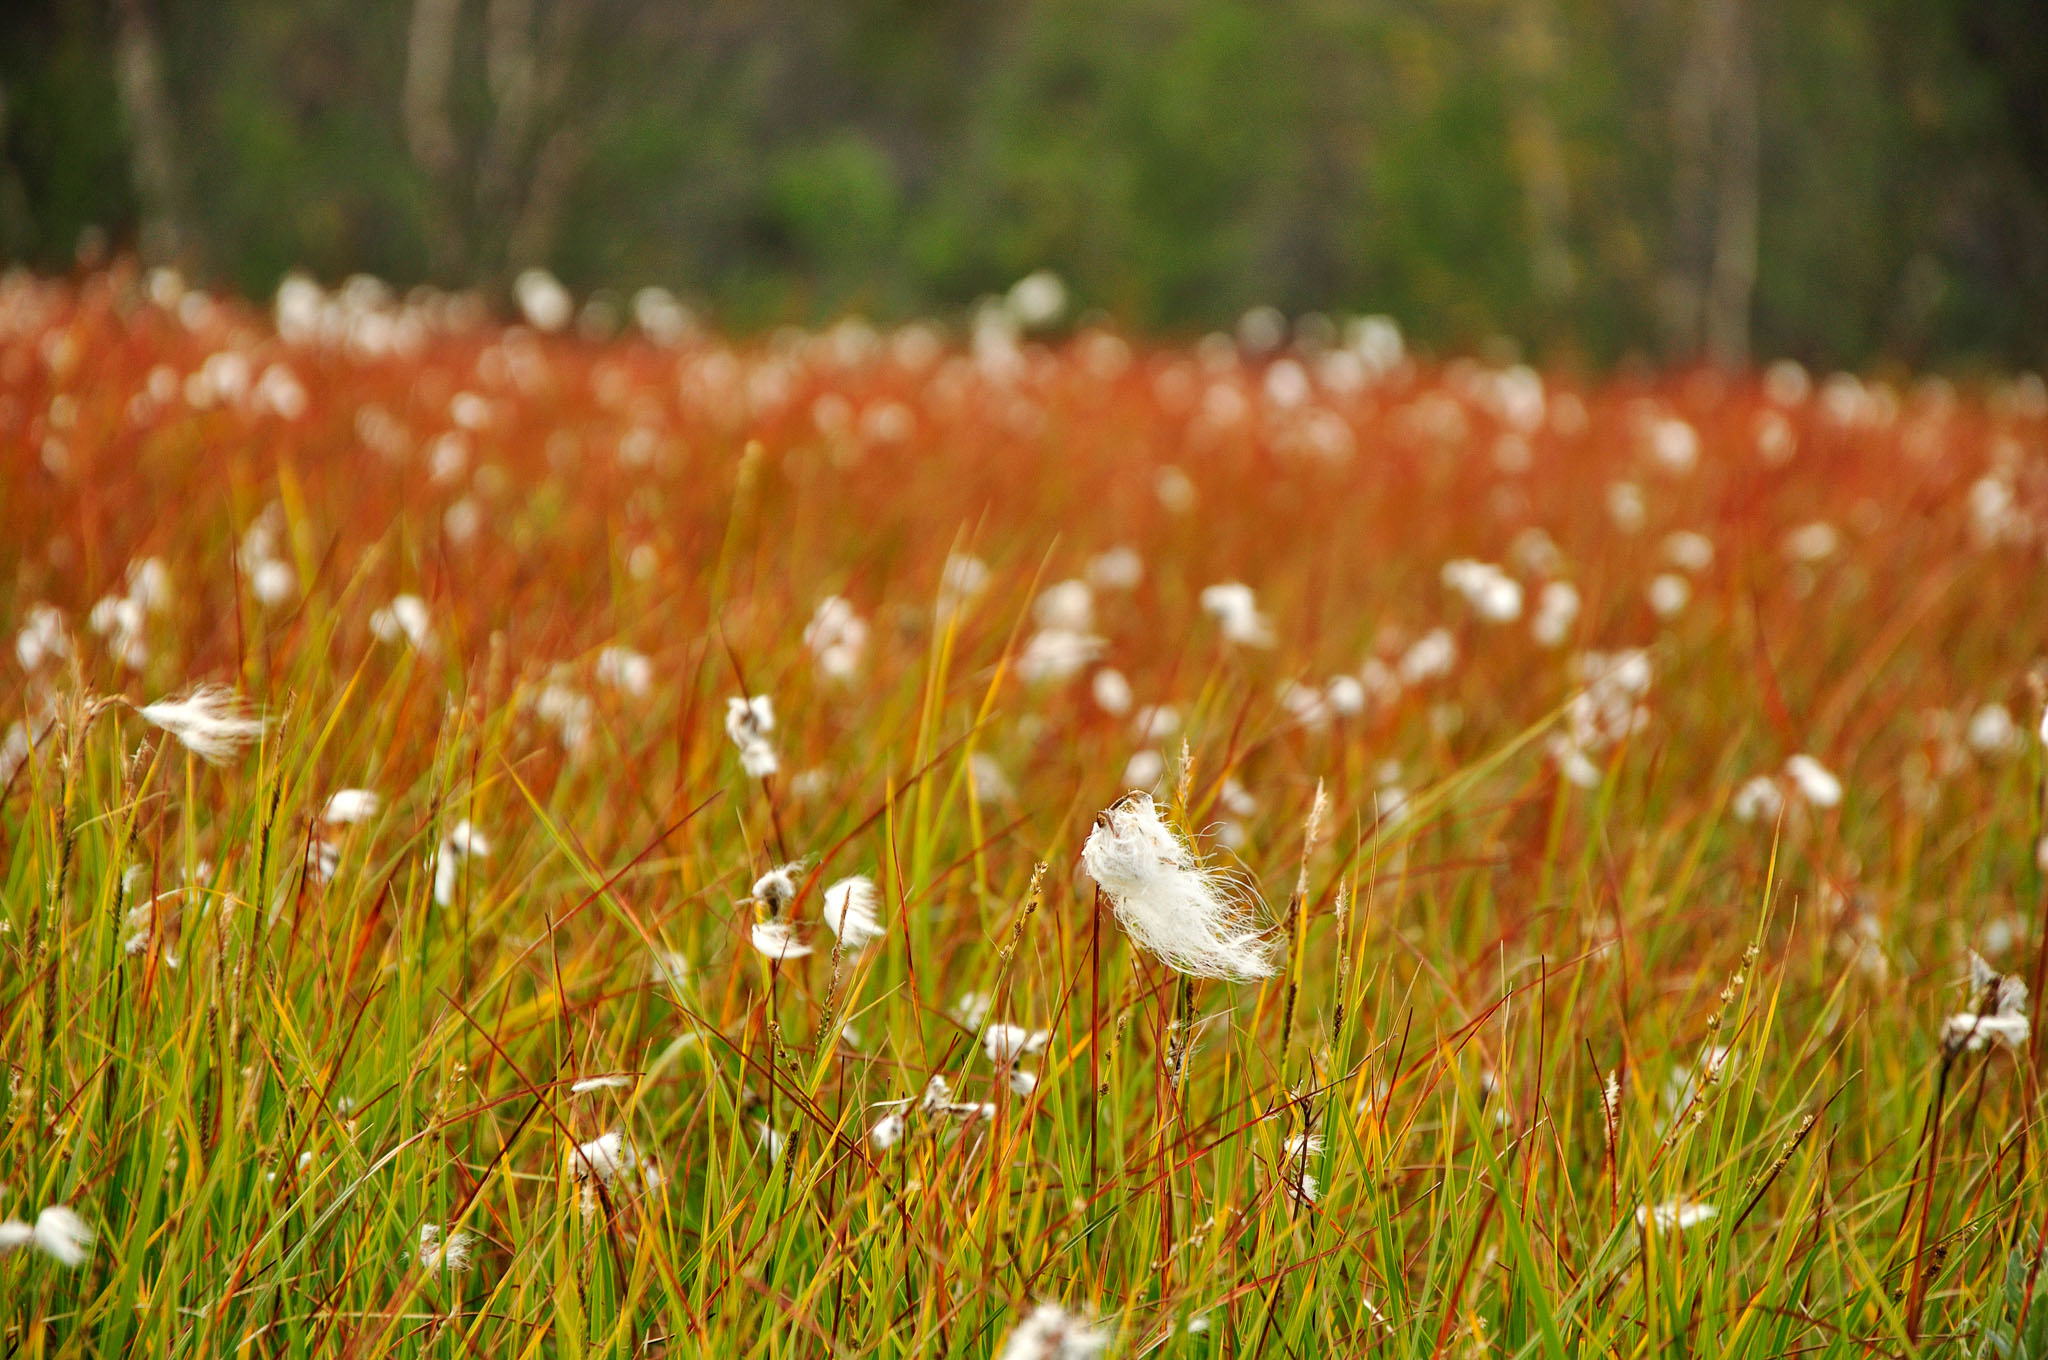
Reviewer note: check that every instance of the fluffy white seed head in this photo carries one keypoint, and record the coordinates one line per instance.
(778, 940)
(1974, 1032)
(889, 1130)
(1006, 1043)
(1758, 799)
(1196, 919)
(57, 1232)
(777, 888)
(1299, 1183)
(1675, 1215)
(451, 1255)
(349, 806)
(749, 717)
(851, 912)
(623, 669)
(1118, 568)
(1053, 655)
(1557, 609)
(1236, 611)
(837, 637)
(1112, 691)
(748, 721)
(211, 721)
(612, 1081)
(1816, 783)
(611, 1158)
(1065, 604)
(1050, 1332)
(462, 843)
(405, 619)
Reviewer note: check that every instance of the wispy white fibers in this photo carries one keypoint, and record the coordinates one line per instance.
(1050, 1332)
(1675, 1215)
(57, 1232)
(437, 1255)
(211, 721)
(1757, 799)
(623, 669)
(464, 842)
(610, 1160)
(1295, 1178)
(1999, 1011)
(1557, 609)
(1493, 594)
(1236, 610)
(850, 912)
(837, 637)
(1053, 655)
(889, 1130)
(611, 1081)
(777, 940)
(1006, 1043)
(1197, 920)
(773, 934)
(1816, 783)
(346, 807)
(406, 619)
(748, 721)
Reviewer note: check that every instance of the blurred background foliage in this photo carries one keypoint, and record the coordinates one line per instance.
(1842, 181)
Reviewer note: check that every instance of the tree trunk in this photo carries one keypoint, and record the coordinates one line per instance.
(1539, 154)
(1733, 281)
(152, 142)
(429, 135)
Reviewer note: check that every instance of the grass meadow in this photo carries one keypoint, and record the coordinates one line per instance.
(1627, 770)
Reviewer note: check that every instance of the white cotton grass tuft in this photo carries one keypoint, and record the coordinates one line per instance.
(1006, 1043)
(612, 1160)
(1816, 783)
(465, 842)
(1998, 1013)
(1068, 605)
(1757, 799)
(971, 1009)
(1494, 595)
(837, 638)
(1118, 568)
(451, 1254)
(1054, 655)
(611, 1081)
(1430, 657)
(1112, 691)
(777, 940)
(1196, 919)
(58, 1233)
(961, 582)
(1557, 609)
(346, 807)
(1296, 1179)
(1992, 733)
(211, 721)
(1675, 1215)
(1050, 1332)
(625, 670)
(406, 619)
(888, 1131)
(748, 721)
(777, 889)
(850, 912)
(1236, 611)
